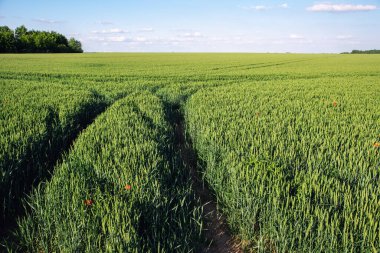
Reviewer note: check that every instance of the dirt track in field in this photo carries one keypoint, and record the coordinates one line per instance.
(216, 232)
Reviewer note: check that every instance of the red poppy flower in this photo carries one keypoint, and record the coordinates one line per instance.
(127, 187)
(376, 144)
(88, 202)
(335, 104)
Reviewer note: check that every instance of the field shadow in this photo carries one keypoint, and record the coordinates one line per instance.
(39, 161)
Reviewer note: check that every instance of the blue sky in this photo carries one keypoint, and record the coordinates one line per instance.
(204, 25)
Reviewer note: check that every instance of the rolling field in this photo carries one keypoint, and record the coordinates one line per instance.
(288, 145)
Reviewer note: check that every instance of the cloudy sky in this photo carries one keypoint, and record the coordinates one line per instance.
(203, 25)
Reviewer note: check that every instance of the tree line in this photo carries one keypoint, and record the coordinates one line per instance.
(22, 40)
(373, 51)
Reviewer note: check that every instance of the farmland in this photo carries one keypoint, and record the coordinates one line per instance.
(287, 144)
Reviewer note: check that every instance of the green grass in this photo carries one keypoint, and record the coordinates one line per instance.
(137, 200)
(287, 143)
(38, 121)
(293, 163)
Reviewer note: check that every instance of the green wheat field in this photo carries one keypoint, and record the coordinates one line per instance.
(289, 144)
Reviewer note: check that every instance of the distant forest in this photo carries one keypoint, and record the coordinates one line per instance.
(373, 51)
(23, 41)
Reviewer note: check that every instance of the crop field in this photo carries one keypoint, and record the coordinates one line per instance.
(92, 152)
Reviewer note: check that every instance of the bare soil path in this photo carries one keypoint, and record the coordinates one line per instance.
(216, 232)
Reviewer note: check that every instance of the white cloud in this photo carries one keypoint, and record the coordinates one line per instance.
(328, 7)
(146, 29)
(46, 21)
(105, 22)
(260, 7)
(139, 39)
(110, 31)
(278, 42)
(264, 8)
(187, 37)
(95, 39)
(296, 36)
(255, 7)
(110, 39)
(192, 35)
(73, 34)
(116, 39)
(116, 30)
(179, 39)
(182, 30)
(344, 37)
(299, 39)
